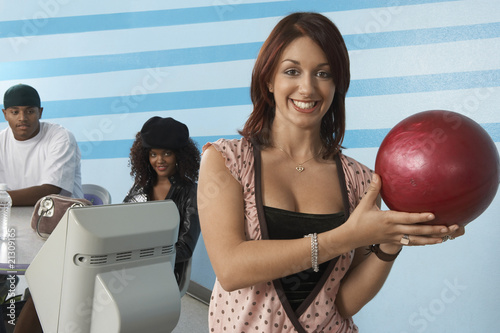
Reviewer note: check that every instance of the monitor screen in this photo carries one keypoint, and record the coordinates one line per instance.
(109, 269)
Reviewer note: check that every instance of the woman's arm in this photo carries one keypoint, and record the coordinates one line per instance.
(368, 273)
(240, 263)
(362, 282)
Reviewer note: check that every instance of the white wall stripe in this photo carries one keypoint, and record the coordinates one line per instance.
(151, 80)
(463, 56)
(432, 15)
(10, 10)
(480, 104)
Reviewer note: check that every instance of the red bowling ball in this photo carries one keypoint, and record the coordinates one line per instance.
(440, 162)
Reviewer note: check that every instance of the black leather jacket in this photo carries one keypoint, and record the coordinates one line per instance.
(183, 194)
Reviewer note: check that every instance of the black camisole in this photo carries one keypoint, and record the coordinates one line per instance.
(284, 224)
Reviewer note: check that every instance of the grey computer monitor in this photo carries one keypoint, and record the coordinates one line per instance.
(109, 269)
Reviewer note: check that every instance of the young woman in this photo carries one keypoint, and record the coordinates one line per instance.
(164, 163)
(289, 222)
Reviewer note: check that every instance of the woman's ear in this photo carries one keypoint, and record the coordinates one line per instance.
(270, 87)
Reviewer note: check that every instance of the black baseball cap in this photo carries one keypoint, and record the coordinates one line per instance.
(21, 95)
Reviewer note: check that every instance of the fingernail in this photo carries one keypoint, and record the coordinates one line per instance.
(430, 217)
(375, 178)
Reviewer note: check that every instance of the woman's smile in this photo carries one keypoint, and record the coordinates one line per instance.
(304, 106)
(161, 167)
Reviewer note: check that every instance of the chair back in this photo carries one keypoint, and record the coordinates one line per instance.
(96, 194)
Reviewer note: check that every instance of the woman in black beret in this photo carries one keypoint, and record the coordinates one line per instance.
(164, 162)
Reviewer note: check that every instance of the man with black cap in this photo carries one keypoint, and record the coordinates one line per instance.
(36, 158)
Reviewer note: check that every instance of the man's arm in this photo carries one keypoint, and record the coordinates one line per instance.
(30, 195)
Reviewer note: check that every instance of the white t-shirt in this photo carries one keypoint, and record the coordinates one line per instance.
(51, 157)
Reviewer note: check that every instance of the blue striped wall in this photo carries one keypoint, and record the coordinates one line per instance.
(103, 68)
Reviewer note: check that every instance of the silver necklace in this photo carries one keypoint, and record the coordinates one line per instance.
(300, 166)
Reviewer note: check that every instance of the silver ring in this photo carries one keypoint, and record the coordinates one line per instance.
(405, 240)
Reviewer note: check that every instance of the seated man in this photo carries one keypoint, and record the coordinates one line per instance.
(36, 158)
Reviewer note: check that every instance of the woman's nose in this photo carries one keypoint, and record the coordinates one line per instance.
(306, 86)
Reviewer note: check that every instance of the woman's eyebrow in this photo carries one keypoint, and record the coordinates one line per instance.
(298, 63)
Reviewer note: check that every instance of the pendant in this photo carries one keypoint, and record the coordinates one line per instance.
(299, 168)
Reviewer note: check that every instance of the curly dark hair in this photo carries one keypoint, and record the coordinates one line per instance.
(188, 163)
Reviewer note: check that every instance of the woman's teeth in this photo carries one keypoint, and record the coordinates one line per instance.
(304, 105)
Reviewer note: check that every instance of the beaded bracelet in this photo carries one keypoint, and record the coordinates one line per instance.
(314, 251)
(375, 248)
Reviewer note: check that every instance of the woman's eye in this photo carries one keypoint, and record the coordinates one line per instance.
(324, 75)
(292, 72)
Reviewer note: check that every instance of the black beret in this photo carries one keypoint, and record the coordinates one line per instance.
(21, 95)
(166, 133)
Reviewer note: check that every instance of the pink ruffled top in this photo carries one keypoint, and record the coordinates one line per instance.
(260, 308)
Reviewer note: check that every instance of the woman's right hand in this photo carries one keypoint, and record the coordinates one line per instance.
(370, 225)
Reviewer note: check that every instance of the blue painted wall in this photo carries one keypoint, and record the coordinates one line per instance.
(104, 67)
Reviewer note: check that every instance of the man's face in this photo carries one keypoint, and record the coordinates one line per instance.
(23, 120)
